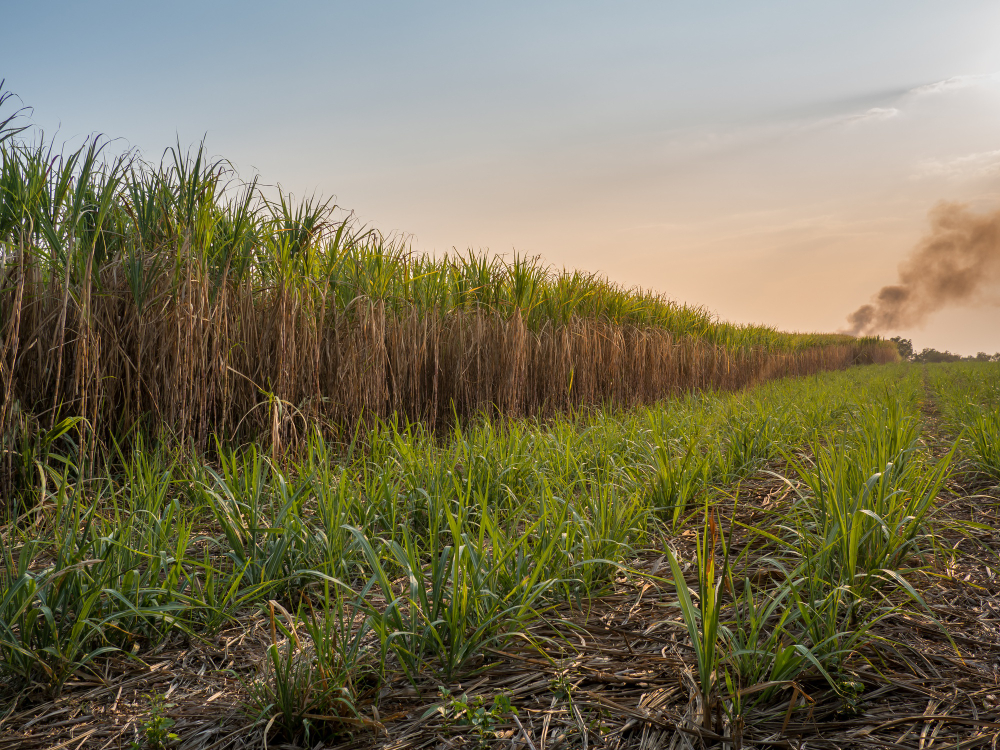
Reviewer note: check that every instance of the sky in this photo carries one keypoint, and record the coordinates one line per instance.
(773, 162)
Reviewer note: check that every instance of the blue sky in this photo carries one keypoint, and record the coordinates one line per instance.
(773, 161)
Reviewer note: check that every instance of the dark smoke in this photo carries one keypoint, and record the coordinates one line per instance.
(954, 264)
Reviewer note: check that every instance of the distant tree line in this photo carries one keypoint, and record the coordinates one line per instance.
(905, 347)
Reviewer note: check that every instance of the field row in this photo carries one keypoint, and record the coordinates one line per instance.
(401, 554)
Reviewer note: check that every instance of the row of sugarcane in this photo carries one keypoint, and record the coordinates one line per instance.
(179, 297)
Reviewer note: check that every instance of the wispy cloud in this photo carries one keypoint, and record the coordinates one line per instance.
(875, 114)
(954, 83)
(982, 164)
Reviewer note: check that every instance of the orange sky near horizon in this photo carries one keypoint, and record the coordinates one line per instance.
(793, 224)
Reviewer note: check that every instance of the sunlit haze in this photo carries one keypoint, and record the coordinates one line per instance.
(773, 162)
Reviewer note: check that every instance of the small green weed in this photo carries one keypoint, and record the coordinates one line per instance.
(475, 713)
(155, 730)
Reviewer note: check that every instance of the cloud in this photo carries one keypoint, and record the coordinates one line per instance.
(954, 83)
(875, 114)
(940, 87)
(845, 119)
(982, 164)
(876, 110)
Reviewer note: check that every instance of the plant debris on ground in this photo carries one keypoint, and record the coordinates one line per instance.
(477, 622)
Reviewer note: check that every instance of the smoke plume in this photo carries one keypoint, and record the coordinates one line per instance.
(954, 264)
